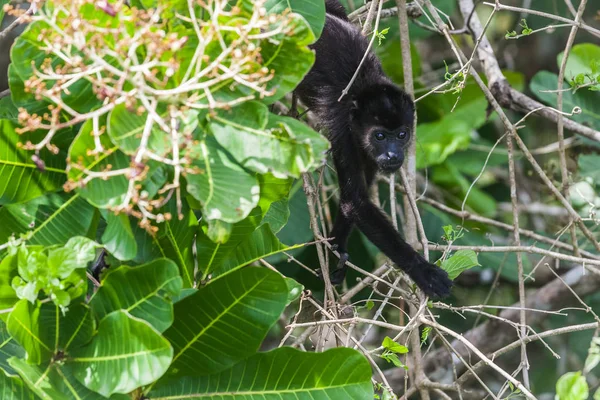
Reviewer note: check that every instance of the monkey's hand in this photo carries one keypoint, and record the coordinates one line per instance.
(431, 279)
(338, 275)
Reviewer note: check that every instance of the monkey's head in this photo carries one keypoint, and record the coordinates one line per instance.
(382, 121)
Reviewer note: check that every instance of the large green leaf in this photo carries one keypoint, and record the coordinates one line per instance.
(43, 330)
(226, 191)
(8, 348)
(118, 237)
(24, 325)
(125, 354)
(588, 101)
(142, 291)
(312, 10)
(225, 321)
(125, 129)
(55, 381)
(572, 386)
(176, 241)
(102, 193)
(437, 140)
(8, 110)
(284, 374)
(47, 220)
(8, 271)
(211, 255)
(260, 244)
(268, 143)
(12, 388)
(21, 178)
(27, 56)
(580, 59)
(278, 53)
(459, 262)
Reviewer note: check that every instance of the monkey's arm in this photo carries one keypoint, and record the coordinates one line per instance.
(375, 225)
(356, 208)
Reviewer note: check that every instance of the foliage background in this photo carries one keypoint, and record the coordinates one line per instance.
(471, 184)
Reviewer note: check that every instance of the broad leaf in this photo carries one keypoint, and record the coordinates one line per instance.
(588, 101)
(47, 220)
(118, 237)
(12, 388)
(43, 330)
(211, 255)
(460, 261)
(278, 53)
(572, 386)
(260, 244)
(24, 325)
(268, 143)
(125, 344)
(225, 190)
(8, 348)
(55, 381)
(225, 321)
(21, 178)
(285, 373)
(142, 291)
(581, 58)
(312, 10)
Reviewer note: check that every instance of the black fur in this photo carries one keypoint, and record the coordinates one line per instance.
(373, 105)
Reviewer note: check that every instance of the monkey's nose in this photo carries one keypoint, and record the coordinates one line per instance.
(393, 157)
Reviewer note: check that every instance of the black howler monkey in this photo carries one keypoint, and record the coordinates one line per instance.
(369, 129)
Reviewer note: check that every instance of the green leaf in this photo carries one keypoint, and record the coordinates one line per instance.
(294, 289)
(27, 54)
(260, 244)
(76, 253)
(460, 261)
(593, 358)
(142, 291)
(125, 129)
(24, 325)
(125, 354)
(226, 191)
(588, 101)
(47, 220)
(572, 386)
(8, 271)
(43, 329)
(439, 139)
(391, 345)
(267, 143)
(99, 192)
(211, 255)
(118, 238)
(285, 373)
(8, 110)
(581, 59)
(12, 388)
(21, 178)
(8, 348)
(225, 321)
(55, 381)
(278, 53)
(597, 394)
(589, 165)
(312, 10)
(176, 240)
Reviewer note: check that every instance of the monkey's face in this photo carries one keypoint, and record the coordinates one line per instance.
(382, 120)
(386, 147)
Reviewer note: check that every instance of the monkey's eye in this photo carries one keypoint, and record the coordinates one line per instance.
(402, 135)
(379, 136)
